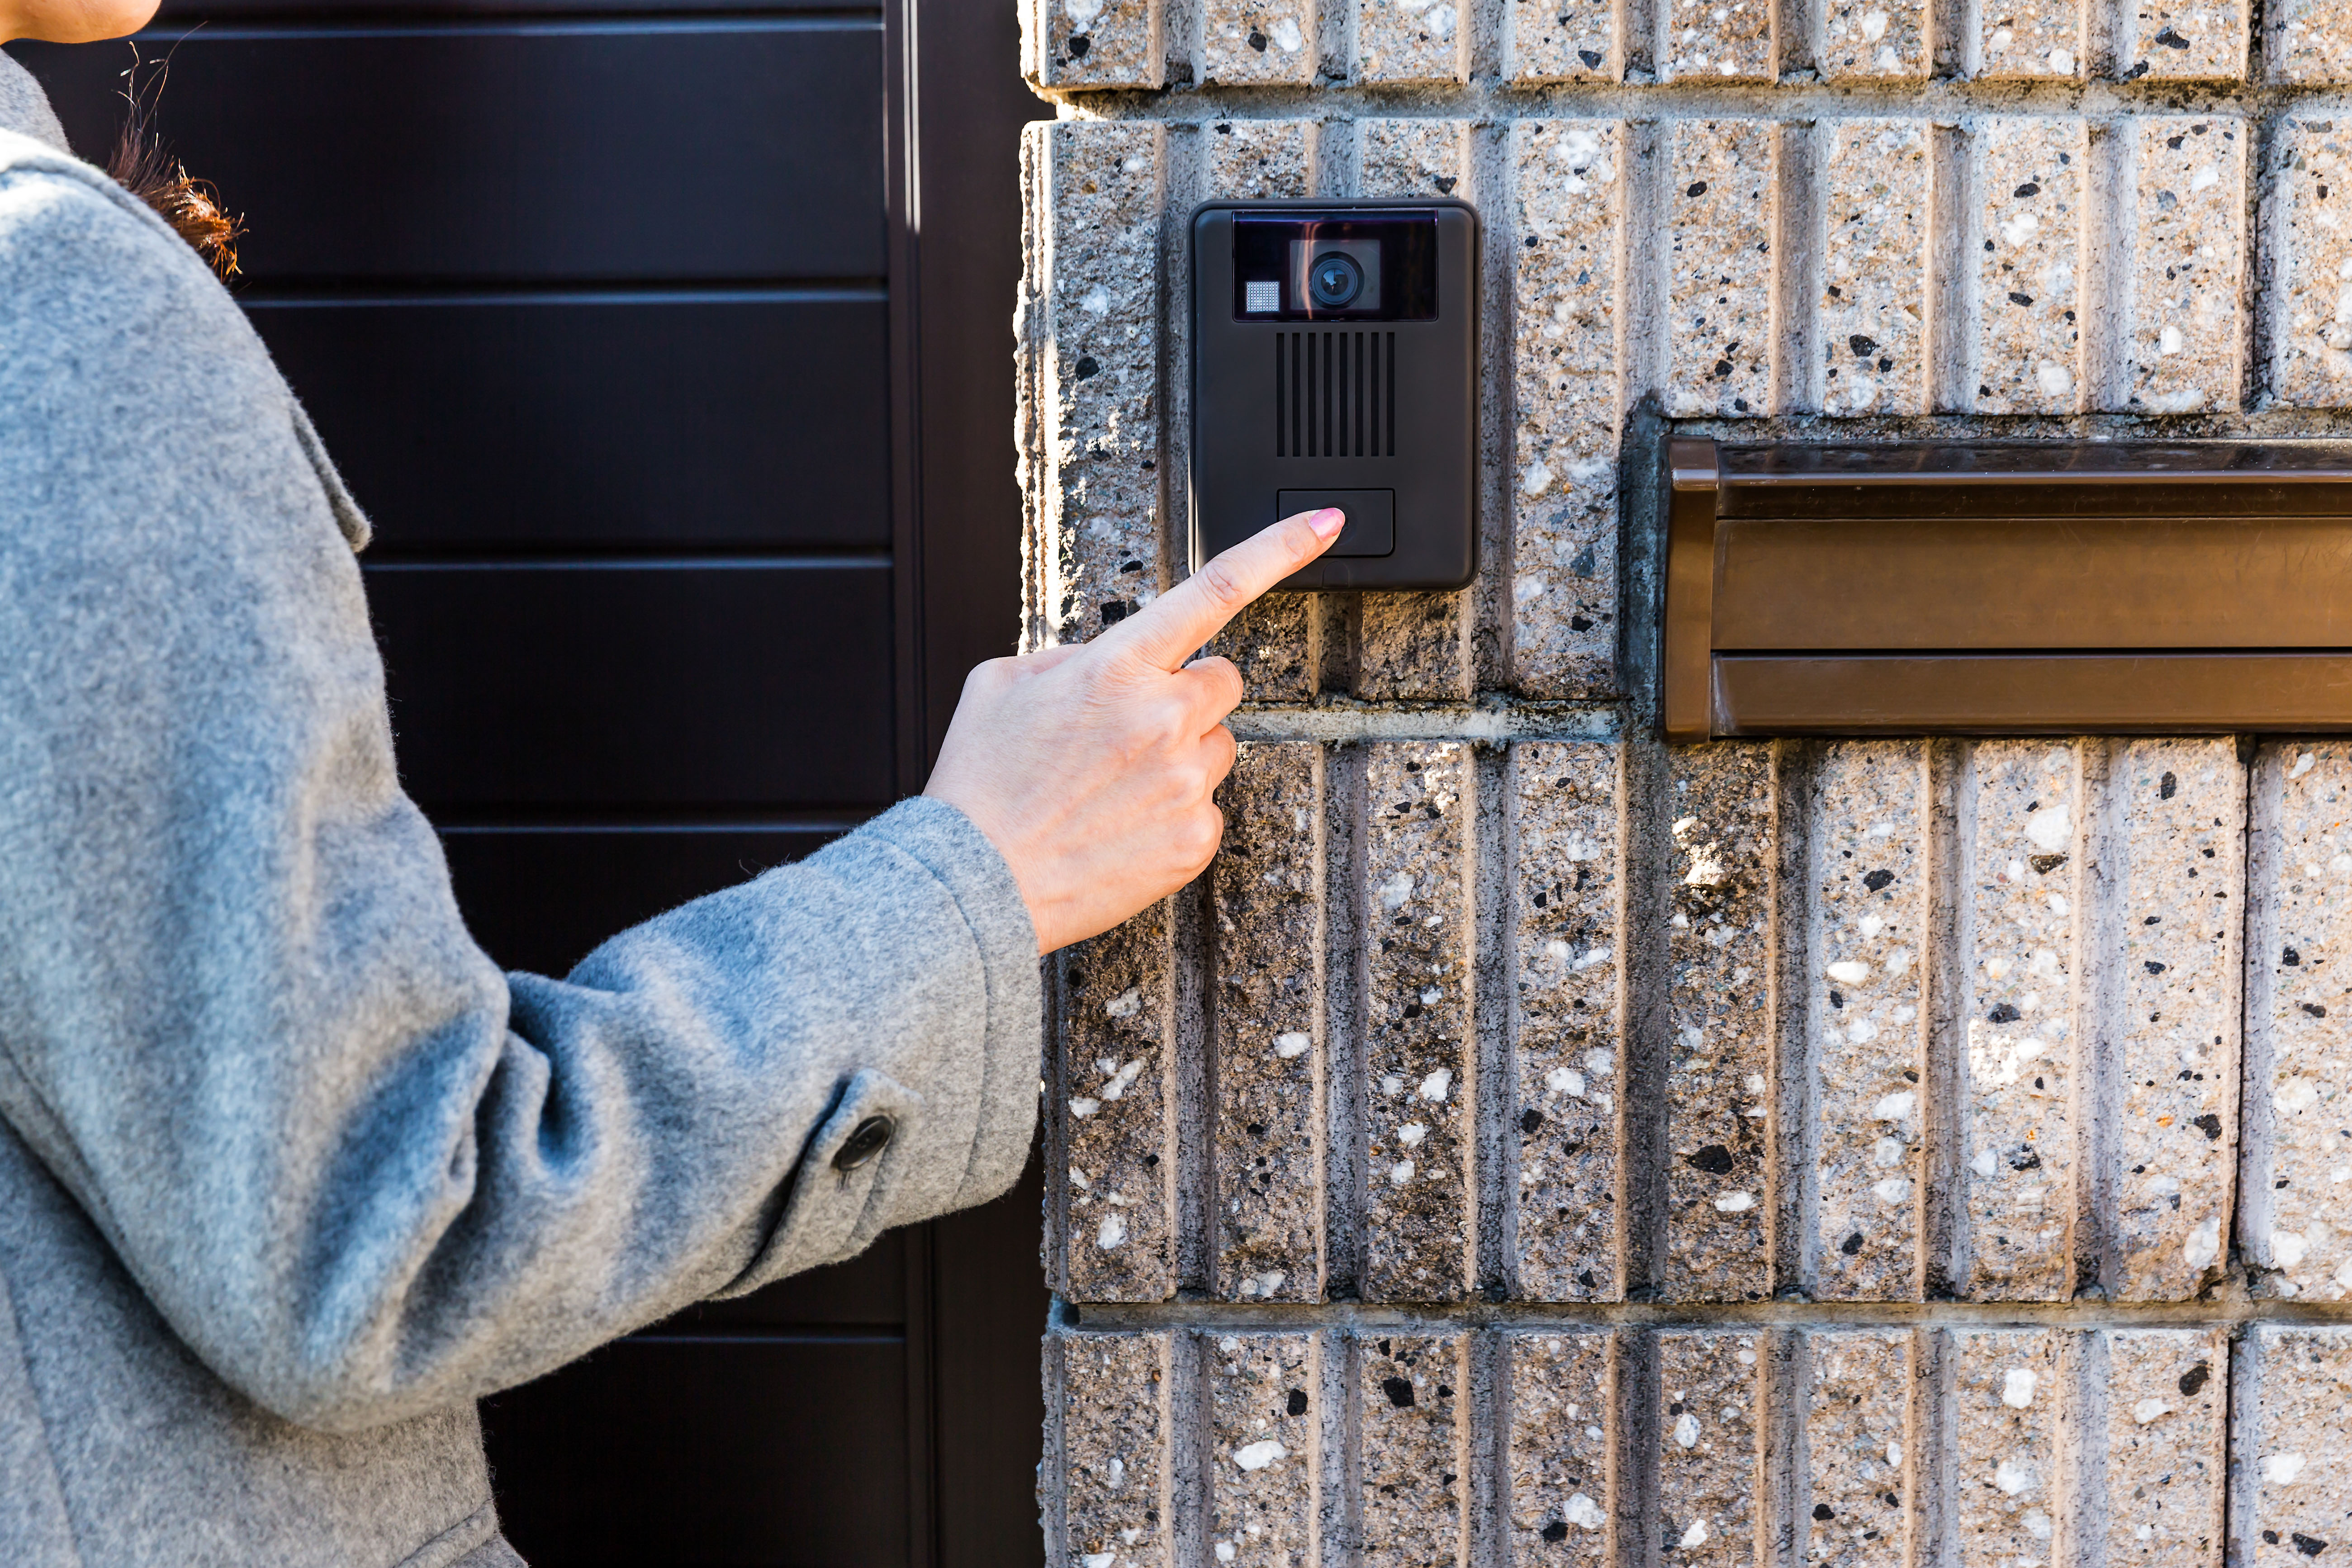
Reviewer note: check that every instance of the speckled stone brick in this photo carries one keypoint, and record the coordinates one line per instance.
(1413, 646)
(1262, 1447)
(1874, 323)
(1115, 1447)
(2187, 40)
(1868, 1016)
(2167, 1419)
(1710, 1450)
(1259, 42)
(1719, 215)
(1563, 1403)
(2291, 1469)
(2310, 41)
(2008, 1394)
(1854, 1501)
(1117, 1050)
(1275, 642)
(1568, 212)
(2025, 39)
(1090, 317)
(1268, 888)
(1716, 41)
(1875, 38)
(1419, 1045)
(1404, 41)
(1719, 1016)
(2183, 809)
(1563, 40)
(1094, 43)
(2311, 281)
(2298, 1079)
(2030, 267)
(2188, 345)
(1413, 1396)
(2021, 874)
(1567, 886)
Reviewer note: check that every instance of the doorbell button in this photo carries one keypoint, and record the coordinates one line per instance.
(1372, 518)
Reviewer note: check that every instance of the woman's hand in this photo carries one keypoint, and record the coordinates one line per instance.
(1090, 767)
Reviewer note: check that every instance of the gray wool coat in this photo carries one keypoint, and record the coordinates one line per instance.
(290, 1173)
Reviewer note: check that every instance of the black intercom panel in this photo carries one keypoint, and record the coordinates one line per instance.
(1335, 364)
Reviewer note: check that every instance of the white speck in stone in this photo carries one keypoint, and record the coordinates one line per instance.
(1258, 1455)
(1122, 1080)
(1598, 955)
(2204, 179)
(1079, 1179)
(2149, 1410)
(1893, 1453)
(1894, 1190)
(1559, 951)
(1225, 1552)
(1287, 36)
(1429, 998)
(2168, 340)
(2017, 1387)
(2001, 38)
(2020, 228)
(1895, 1107)
(2288, 1247)
(2013, 1476)
(1862, 1031)
(2061, 62)
(2303, 764)
(1686, 1430)
(1113, 1231)
(1584, 1513)
(1871, 925)
(1599, 1064)
(1536, 480)
(1888, 60)
(1435, 1086)
(1528, 588)
(1391, 1084)
(1735, 1203)
(1396, 890)
(2204, 1244)
(1850, 971)
(1594, 1432)
(1565, 1081)
(2295, 1094)
(1295, 1044)
(1097, 300)
(1412, 1134)
(1753, 1083)
(2338, 1176)
(1126, 1005)
(1874, 26)
(1984, 1164)
(2037, 1524)
(1886, 1152)
(1401, 1172)
(1696, 1535)
(2054, 379)
(1081, 1106)
(2281, 1469)
(2049, 828)
(1082, 13)
(1097, 1559)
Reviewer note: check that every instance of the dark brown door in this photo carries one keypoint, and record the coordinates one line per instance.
(666, 346)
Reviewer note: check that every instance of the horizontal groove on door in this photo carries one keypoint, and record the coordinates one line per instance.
(337, 293)
(632, 689)
(731, 561)
(649, 425)
(179, 14)
(583, 151)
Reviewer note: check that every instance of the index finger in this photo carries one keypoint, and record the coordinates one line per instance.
(1168, 631)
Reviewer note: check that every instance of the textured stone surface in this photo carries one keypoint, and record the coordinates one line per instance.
(1568, 209)
(1115, 1444)
(1250, 42)
(2022, 873)
(1856, 1506)
(2298, 1080)
(1720, 1066)
(1094, 43)
(1117, 1050)
(2187, 40)
(2311, 272)
(2311, 41)
(1867, 1018)
(1268, 887)
(2029, 275)
(1261, 1451)
(1719, 212)
(2023, 40)
(1091, 322)
(2182, 809)
(1873, 322)
(1563, 1400)
(2188, 340)
(2167, 1399)
(1418, 1046)
(1412, 1392)
(1717, 40)
(2291, 1467)
(1413, 646)
(1546, 41)
(1401, 41)
(1566, 891)
(1710, 1418)
(2006, 1392)
(1883, 39)
(1275, 642)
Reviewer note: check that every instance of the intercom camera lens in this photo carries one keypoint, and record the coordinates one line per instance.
(1334, 279)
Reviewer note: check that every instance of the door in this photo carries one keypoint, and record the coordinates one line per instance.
(667, 347)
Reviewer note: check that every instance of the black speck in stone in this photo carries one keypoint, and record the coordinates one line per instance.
(2209, 1124)
(1399, 1390)
(1851, 1245)
(2310, 1546)
(2314, 1009)
(2029, 189)
(1837, 999)
(1085, 367)
(1823, 1511)
(2153, 920)
(1258, 1128)
(2153, 967)
(1079, 44)
(1296, 1404)
(2290, 958)
(2003, 1014)
(1531, 1120)
(1698, 188)
(1592, 57)
(1877, 881)
(1257, 42)
(2023, 1158)
(1445, 183)
(2017, 298)
(2166, 787)
(2195, 1377)
(1863, 347)
(1714, 1158)
(1556, 1530)
(2045, 864)
(1579, 624)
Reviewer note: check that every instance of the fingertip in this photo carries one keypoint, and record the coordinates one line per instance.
(1327, 522)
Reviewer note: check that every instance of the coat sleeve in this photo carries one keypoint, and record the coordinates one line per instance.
(361, 1172)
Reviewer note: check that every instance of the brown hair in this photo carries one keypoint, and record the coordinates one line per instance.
(140, 165)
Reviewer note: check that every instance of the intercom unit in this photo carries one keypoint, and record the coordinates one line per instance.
(1335, 364)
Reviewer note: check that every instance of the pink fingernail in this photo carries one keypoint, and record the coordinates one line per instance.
(1327, 522)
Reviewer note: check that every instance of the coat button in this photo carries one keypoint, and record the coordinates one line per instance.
(864, 1143)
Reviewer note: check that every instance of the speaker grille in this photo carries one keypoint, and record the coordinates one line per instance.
(1335, 395)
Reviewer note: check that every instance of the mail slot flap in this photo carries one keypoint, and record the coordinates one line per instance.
(1951, 584)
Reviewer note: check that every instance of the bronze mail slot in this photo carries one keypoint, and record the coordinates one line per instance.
(2092, 587)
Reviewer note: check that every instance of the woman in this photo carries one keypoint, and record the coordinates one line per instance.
(290, 1173)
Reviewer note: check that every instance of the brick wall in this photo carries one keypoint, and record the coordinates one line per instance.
(1529, 1144)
